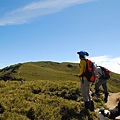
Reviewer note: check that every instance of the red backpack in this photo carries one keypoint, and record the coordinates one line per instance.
(90, 72)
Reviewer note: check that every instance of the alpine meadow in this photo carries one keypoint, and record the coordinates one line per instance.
(46, 90)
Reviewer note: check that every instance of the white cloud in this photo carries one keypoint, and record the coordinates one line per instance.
(113, 64)
(36, 9)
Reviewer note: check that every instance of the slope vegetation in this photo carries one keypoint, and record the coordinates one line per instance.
(45, 90)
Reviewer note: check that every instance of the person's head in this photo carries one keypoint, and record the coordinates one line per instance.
(82, 54)
(99, 71)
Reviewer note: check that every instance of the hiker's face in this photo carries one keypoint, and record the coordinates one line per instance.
(80, 57)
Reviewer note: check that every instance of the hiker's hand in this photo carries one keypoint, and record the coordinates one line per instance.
(104, 112)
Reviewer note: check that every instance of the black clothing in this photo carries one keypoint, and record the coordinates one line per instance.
(115, 112)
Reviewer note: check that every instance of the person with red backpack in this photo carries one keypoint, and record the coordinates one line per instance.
(85, 84)
(103, 76)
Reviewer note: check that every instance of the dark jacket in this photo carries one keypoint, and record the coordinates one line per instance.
(115, 112)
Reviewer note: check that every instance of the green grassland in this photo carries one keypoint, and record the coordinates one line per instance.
(45, 91)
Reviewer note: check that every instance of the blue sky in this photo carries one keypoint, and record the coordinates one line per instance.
(54, 30)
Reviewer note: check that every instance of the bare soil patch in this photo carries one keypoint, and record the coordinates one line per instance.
(113, 101)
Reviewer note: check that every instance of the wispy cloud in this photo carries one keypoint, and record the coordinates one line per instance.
(36, 9)
(111, 63)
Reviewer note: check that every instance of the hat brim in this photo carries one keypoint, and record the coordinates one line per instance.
(78, 52)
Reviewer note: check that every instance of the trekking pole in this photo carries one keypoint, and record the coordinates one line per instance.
(92, 84)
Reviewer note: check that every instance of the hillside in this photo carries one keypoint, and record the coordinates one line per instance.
(40, 71)
(47, 70)
(45, 90)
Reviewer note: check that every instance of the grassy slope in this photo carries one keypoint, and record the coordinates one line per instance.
(49, 91)
(48, 71)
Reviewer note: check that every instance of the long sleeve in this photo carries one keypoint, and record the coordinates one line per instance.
(82, 67)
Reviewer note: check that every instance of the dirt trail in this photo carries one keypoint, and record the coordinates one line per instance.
(112, 101)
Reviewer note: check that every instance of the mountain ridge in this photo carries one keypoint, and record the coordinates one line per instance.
(41, 70)
(48, 70)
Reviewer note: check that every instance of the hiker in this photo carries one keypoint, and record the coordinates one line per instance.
(101, 82)
(111, 114)
(85, 84)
